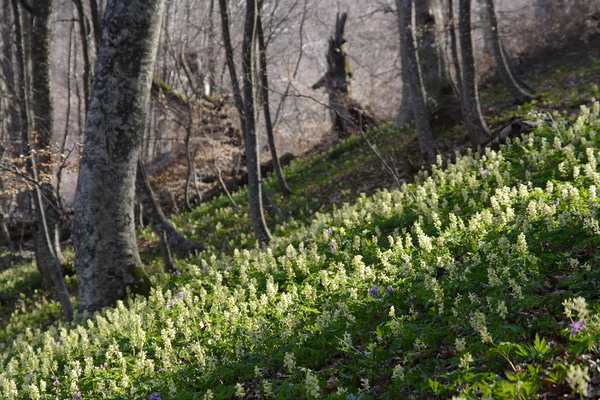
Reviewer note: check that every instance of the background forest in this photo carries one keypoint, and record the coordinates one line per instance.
(299, 199)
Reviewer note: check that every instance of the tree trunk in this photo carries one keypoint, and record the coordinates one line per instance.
(87, 64)
(440, 99)
(13, 128)
(45, 204)
(210, 51)
(520, 94)
(283, 186)
(255, 190)
(476, 126)
(188, 175)
(245, 106)
(405, 114)
(96, 25)
(106, 254)
(41, 141)
(412, 67)
(178, 243)
(454, 51)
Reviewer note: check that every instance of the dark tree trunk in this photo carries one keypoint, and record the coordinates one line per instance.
(441, 101)
(37, 165)
(42, 107)
(87, 64)
(96, 25)
(177, 242)
(454, 50)
(283, 186)
(520, 93)
(189, 164)
(412, 67)
(405, 114)
(13, 128)
(21, 82)
(476, 126)
(106, 253)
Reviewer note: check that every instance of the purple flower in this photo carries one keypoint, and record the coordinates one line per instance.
(58, 340)
(577, 327)
(228, 269)
(389, 290)
(56, 383)
(180, 295)
(484, 173)
(101, 367)
(374, 292)
(21, 302)
(170, 303)
(155, 396)
(332, 246)
(176, 272)
(556, 203)
(328, 231)
(77, 396)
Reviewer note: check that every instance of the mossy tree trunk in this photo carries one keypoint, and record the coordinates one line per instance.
(106, 254)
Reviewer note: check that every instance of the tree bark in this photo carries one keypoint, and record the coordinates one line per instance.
(509, 79)
(178, 243)
(96, 25)
(85, 48)
(262, 47)
(405, 114)
(412, 67)
(13, 128)
(476, 126)
(106, 254)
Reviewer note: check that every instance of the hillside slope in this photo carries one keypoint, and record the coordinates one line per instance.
(478, 280)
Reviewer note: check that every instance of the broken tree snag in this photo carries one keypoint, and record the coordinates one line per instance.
(335, 80)
(347, 114)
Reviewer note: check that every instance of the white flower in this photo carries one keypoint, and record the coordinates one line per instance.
(460, 344)
(398, 373)
(466, 360)
(289, 361)
(578, 377)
